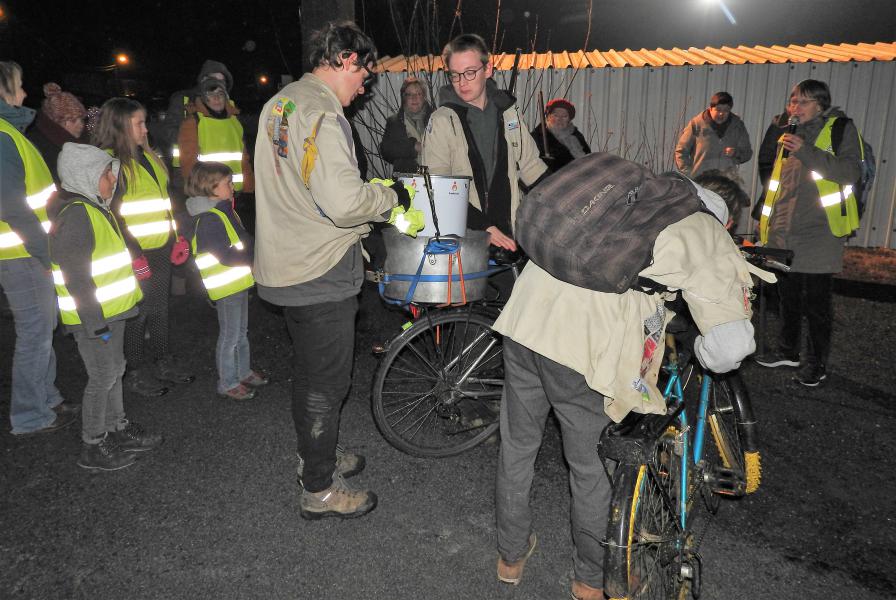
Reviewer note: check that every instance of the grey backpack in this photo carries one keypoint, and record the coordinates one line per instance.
(593, 223)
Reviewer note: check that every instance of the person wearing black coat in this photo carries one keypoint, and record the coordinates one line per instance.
(403, 136)
(565, 142)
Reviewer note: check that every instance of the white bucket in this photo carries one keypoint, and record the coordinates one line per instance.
(451, 194)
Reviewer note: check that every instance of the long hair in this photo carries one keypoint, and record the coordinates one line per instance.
(113, 132)
(10, 79)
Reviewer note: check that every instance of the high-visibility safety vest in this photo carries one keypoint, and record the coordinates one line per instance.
(146, 207)
(221, 140)
(117, 290)
(39, 186)
(175, 148)
(220, 280)
(838, 202)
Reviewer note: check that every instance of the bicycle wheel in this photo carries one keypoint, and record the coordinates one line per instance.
(647, 545)
(438, 389)
(730, 419)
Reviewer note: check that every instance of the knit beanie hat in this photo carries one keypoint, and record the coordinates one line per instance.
(561, 103)
(61, 106)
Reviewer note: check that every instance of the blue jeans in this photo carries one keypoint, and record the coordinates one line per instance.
(32, 299)
(533, 385)
(232, 351)
(103, 407)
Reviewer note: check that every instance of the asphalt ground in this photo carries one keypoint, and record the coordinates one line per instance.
(213, 512)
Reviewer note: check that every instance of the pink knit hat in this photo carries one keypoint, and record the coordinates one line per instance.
(60, 106)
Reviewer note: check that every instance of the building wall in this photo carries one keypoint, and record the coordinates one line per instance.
(638, 112)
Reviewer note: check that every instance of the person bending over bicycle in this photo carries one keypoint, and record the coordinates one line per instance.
(580, 340)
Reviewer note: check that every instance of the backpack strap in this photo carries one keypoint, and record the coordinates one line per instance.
(837, 133)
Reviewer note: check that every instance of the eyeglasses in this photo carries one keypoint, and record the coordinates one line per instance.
(413, 94)
(469, 74)
(795, 102)
(369, 79)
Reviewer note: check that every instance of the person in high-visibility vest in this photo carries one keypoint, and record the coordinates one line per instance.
(223, 251)
(211, 131)
(25, 187)
(98, 292)
(809, 208)
(143, 204)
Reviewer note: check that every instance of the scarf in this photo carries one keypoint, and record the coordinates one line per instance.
(565, 136)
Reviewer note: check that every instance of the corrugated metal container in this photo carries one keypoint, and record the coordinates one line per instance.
(638, 111)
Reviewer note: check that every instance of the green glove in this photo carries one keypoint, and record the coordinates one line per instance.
(385, 182)
(412, 191)
(407, 222)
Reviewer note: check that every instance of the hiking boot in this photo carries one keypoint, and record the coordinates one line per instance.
(256, 379)
(105, 456)
(583, 591)
(811, 375)
(338, 500)
(66, 408)
(167, 370)
(61, 420)
(512, 572)
(133, 438)
(240, 392)
(347, 464)
(140, 383)
(778, 359)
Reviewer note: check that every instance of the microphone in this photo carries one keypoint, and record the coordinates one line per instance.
(791, 128)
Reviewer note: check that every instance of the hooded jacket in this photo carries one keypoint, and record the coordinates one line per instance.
(71, 235)
(179, 100)
(448, 150)
(14, 210)
(211, 235)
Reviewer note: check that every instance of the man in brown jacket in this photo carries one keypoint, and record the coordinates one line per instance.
(313, 208)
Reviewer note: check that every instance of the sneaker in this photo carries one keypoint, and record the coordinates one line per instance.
(240, 392)
(138, 382)
(105, 456)
(167, 370)
(583, 591)
(255, 379)
(778, 359)
(347, 464)
(811, 375)
(512, 572)
(338, 500)
(61, 420)
(133, 438)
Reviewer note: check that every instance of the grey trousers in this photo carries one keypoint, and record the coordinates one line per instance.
(533, 385)
(103, 407)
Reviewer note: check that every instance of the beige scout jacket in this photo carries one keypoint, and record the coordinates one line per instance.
(294, 241)
(601, 335)
(445, 152)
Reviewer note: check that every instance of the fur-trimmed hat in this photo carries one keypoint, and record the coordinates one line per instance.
(561, 103)
(61, 106)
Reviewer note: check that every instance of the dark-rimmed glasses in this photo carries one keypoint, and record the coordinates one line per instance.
(469, 74)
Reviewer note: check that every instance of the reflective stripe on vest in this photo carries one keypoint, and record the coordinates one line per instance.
(220, 280)
(838, 202)
(39, 187)
(110, 267)
(145, 206)
(221, 140)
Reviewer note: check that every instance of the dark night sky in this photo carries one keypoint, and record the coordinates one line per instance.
(169, 39)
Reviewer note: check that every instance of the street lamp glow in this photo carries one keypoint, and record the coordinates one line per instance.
(263, 79)
(122, 58)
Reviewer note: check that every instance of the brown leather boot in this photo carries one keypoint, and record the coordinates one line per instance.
(583, 591)
(512, 572)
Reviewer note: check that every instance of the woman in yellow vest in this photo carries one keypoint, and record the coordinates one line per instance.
(25, 187)
(98, 292)
(224, 253)
(143, 205)
(809, 208)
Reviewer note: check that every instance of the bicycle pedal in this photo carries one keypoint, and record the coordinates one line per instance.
(725, 481)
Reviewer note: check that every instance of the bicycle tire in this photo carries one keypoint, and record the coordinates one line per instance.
(730, 419)
(646, 545)
(437, 391)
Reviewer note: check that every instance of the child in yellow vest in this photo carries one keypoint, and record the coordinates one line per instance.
(223, 251)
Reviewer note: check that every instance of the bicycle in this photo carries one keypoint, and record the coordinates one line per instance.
(437, 391)
(663, 464)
